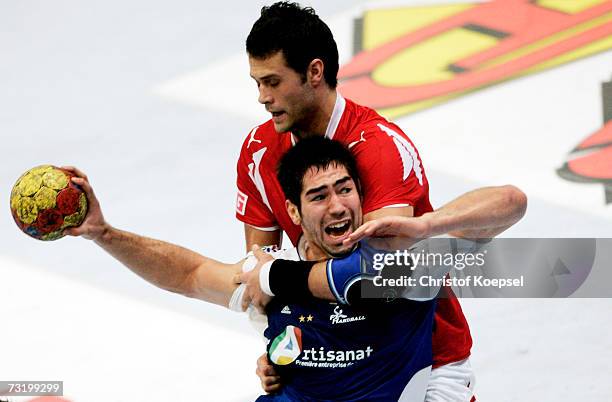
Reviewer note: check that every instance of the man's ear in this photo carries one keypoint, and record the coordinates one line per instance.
(315, 72)
(294, 212)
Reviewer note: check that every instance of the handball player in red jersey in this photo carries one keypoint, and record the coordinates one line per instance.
(293, 59)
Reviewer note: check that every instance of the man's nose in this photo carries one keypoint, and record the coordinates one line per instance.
(336, 206)
(264, 96)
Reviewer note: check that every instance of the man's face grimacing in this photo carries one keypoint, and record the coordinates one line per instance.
(330, 210)
(283, 91)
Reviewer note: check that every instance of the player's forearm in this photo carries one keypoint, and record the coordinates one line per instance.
(169, 266)
(481, 213)
(318, 284)
(214, 281)
(285, 280)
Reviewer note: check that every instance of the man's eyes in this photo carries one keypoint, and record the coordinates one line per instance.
(320, 197)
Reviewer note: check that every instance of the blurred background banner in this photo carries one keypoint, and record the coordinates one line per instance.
(414, 57)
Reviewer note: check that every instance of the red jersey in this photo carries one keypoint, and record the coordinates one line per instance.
(391, 174)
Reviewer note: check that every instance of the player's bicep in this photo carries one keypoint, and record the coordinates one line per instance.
(407, 211)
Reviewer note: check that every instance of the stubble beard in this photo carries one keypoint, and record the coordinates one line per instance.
(305, 120)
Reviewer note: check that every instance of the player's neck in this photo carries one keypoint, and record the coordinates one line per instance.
(309, 251)
(320, 117)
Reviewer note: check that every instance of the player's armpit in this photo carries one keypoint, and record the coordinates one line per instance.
(253, 235)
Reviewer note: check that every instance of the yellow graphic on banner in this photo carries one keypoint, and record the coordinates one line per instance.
(425, 62)
(556, 38)
(383, 25)
(569, 6)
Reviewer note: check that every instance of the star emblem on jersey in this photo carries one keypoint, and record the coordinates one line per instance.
(286, 347)
(307, 318)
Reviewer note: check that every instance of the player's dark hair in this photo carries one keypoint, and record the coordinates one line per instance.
(299, 33)
(313, 152)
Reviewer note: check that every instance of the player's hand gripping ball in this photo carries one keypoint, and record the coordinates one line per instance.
(44, 202)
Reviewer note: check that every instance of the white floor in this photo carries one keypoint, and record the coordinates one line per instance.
(152, 100)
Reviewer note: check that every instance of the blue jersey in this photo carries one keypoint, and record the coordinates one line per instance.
(329, 352)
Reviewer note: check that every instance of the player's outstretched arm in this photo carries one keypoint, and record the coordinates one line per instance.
(482, 213)
(163, 264)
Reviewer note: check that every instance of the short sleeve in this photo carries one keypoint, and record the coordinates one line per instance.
(250, 205)
(391, 171)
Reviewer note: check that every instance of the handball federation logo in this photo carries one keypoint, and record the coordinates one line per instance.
(412, 58)
(286, 347)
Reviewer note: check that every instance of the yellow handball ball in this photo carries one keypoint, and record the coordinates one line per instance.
(44, 202)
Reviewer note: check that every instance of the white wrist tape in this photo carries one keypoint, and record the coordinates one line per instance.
(264, 278)
(235, 303)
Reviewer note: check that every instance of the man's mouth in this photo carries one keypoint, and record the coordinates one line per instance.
(338, 229)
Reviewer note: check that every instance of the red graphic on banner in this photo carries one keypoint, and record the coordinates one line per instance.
(591, 161)
(527, 37)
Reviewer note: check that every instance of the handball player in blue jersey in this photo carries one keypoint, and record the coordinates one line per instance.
(327, 351)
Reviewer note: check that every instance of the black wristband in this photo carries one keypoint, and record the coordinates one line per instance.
(289, 279)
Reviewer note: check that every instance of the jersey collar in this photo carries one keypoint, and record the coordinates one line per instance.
(334, 121)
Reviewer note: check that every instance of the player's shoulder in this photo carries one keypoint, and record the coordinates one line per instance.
(261, 136)
(367, 124)
(376, 137)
